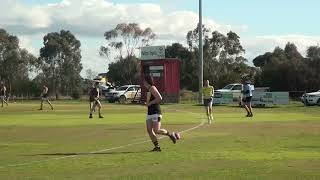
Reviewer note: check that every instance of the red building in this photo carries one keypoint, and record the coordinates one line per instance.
(166, 75)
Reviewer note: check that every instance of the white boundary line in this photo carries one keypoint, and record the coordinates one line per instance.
(104, 150)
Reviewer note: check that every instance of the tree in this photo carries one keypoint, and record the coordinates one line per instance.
(188, 70)
(313, 53)
(121, 74)
(287, 70)
(223, 60)
(90, 74)
(61, 57)
(193, 36)
(125, 39)
(313, 67)
(15, 63)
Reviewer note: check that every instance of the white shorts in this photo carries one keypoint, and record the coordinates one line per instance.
(154, 117)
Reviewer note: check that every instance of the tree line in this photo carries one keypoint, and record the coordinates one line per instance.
(59, 63)
(224, 62)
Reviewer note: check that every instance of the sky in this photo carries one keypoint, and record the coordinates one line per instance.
(261, 25)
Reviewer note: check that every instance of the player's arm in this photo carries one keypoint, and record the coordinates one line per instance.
(98, 94)
(242, 89)
(212, 92)
(157, 96)
(148, 97)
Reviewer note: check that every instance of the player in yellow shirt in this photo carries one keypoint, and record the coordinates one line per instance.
(208, 92)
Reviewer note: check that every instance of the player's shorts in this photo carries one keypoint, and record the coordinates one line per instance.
(207, 102)
(96, 102)
(154, 117)
(44, 97)
(247, 99)
(91, 99)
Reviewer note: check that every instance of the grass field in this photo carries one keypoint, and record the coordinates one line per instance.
(277, 144)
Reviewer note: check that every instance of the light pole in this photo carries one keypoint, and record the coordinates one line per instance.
(200, 53)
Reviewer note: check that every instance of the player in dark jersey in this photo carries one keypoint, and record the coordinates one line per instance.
(45, 97)
(3, 94)
(94, 98)
(154, 115)
(91, 98)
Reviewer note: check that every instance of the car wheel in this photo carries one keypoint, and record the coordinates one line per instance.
(122, 99)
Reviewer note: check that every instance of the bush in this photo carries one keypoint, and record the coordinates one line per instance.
(76, 93)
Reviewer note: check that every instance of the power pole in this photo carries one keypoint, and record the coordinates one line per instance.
(200, 53)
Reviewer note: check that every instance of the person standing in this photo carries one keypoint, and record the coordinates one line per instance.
(45, 97)
(3, 94)
(208, 93)
(247, 93)
(154, 115)
(94, 98)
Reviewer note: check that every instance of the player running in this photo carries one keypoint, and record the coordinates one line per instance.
(94, 98)
(208, 93)
(44, 97)
(154, 115)
(3, 94)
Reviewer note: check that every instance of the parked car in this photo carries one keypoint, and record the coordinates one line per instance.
(311, 98)
(231, 88)
(106, 88)
(124, 93)
(235, 89)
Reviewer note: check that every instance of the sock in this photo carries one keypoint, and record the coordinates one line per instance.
(156, 144)
(211, 117)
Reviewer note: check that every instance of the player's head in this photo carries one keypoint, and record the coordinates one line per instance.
(206, 82)
(148, 81)
(243, 79)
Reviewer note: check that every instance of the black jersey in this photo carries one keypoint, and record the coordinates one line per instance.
(154, 108)
(2, 92)
(93, 94)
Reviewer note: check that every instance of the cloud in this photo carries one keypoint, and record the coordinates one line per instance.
(91, 18)
(15, 14)
(26, 43)
(94, 17)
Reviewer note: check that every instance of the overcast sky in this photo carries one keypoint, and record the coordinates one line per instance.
(262, 25)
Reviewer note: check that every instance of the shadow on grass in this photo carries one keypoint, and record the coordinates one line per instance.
(85, 154)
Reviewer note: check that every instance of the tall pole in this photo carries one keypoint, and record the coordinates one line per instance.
(200, 53)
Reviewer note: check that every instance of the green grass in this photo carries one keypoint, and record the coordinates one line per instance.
(278, 143)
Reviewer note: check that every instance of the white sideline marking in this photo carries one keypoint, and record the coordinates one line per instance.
(104, 150)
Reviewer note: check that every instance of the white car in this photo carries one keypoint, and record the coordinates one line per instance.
(235, 89)
(311, 98)
(124, 93)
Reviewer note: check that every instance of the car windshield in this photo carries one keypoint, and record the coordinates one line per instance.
(228, 86)
(122, 88)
